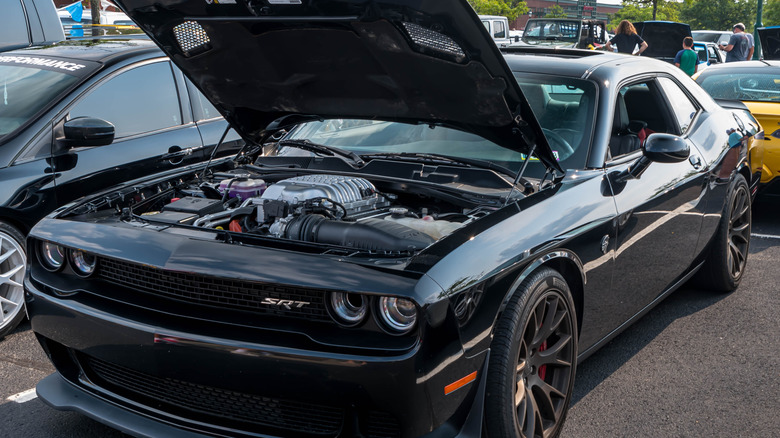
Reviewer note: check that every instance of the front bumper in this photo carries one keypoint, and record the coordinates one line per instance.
(153, 379)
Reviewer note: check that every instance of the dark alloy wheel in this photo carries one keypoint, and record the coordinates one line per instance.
(533, 360)
(728, 255)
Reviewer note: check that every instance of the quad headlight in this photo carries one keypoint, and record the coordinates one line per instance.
(397, 314)
(52, 256)
(348, 309)
(82, 263)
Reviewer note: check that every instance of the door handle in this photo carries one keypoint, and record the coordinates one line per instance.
(695, 161)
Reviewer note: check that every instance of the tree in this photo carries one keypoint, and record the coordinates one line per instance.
(718, 14)
(508, 8)
(556, 12)
(771, 15)
(644, 10)
(94, 6)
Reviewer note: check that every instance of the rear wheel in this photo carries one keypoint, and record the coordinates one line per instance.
(533, 360)
(726, 262)
(12, 268)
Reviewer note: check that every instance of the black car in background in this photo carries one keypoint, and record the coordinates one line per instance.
(25, 23)
(78, 116)
(443, 232)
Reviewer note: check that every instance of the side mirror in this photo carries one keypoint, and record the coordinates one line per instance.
(88, 131)
(658, 148)
(666, 148)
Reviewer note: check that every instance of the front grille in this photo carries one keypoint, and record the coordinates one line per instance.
(219, 292)
(219, 406)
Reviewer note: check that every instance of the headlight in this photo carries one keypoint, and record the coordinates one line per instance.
(52, 256)
(398, 314)
(82, 263)
(348, 309)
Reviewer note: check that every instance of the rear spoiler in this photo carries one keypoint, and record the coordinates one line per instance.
(732, 104)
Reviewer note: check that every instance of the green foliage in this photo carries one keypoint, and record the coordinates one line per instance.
(771, 15)
(556, 12)
(719, 14)
(642, 10)
(508, 8)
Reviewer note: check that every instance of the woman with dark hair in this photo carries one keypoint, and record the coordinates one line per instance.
(626, 39)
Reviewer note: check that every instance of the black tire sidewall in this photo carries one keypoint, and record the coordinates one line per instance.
(19, 238)
(499, 405)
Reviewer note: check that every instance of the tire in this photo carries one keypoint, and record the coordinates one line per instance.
(528, 391)
(727, 258)
(12, 267)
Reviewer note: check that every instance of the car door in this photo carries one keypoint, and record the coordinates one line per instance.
(660, 214)
(144, 104)
(212, 125)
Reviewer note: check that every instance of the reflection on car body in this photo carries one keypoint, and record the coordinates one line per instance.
(156, 122)
(452, 257)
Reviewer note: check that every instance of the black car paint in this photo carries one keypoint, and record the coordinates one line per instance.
(664, 38)
(39, 173)
(591, 226)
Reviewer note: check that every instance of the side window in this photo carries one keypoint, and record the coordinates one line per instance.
(139, 100)
(682, 108)
(13, 24)
(639, 111)
(486, 24)
(499, 31)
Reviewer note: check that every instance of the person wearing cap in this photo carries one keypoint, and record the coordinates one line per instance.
(739, 45)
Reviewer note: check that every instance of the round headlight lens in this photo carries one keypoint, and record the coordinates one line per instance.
(52, 256)
(348, 309)
(83, 263)
(398, 314)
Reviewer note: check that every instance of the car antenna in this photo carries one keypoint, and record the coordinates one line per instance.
(214, 152)
(520, 174)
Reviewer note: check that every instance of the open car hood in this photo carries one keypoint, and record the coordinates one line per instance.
(664, 38)
(770, 41)
(266, 64)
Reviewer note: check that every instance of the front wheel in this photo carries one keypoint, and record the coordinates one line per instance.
(533, 360)
(12, 268)
(727, 259)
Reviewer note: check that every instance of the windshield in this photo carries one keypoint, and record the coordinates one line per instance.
(744, 85)
(539, 31)
(564, 107)
(26, 91)
(714, 37)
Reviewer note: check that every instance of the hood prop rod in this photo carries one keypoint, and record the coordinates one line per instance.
(520, 174)
(214, 152)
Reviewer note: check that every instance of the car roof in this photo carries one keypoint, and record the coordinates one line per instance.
(106, 51)
(743, 65)
(547, 60)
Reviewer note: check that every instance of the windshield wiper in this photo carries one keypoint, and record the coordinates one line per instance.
(444, 159)
(323, 150)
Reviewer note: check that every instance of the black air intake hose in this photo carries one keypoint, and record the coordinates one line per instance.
(370, 234)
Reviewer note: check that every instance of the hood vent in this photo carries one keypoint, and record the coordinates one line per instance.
(192, 38)
(431, 41)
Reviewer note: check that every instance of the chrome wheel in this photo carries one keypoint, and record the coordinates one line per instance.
(544, 367)
(12, 268)
(738, 232)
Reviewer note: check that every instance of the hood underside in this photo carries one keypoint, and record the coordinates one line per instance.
(770, 41)
(266, 64)
(664, 38)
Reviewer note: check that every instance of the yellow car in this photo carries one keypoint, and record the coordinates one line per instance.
(757, 85)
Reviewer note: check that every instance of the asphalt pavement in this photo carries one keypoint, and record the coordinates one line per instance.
(699, 364)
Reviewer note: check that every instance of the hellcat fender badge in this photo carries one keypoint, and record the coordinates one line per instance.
(605, 244)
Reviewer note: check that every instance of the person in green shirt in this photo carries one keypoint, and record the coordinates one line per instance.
(686, 58)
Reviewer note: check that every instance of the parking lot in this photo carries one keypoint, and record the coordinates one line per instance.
(696, 365)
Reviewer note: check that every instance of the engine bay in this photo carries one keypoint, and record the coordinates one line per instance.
(327, 209)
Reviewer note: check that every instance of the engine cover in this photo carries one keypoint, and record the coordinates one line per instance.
(357, 195)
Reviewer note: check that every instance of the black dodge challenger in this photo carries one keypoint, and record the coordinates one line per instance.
(423, 237)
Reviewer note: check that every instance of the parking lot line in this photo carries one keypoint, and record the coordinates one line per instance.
(764, 236)
(23, 396)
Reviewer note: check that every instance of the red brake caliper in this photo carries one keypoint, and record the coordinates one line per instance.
(543, 368)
